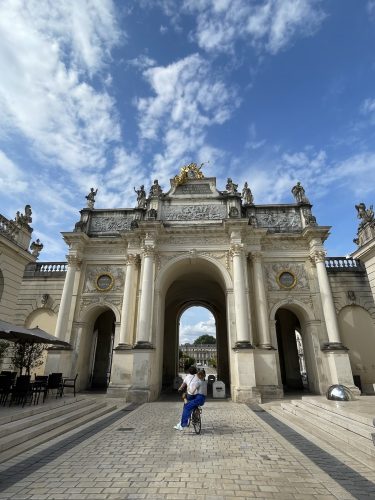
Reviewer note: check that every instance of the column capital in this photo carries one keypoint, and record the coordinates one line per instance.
(318, 256)
(255, 256)
(73, 260)
(132, 259)
(236, 250)
(148, 251)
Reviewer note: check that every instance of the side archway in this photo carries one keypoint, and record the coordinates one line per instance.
(357, 330)
(295, 338)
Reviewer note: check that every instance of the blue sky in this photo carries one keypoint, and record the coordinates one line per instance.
(115, 94)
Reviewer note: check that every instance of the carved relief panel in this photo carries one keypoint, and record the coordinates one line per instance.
(286, 276)
(102, 279)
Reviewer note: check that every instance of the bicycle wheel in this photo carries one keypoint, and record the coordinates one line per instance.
(196, 420)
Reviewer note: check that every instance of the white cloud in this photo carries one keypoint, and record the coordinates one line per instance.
(188, 99)
(269, 25)
(190, 332)
(12, 179)
(368, 106)
(48, 52)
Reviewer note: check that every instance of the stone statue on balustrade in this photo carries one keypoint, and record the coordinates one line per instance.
(247, 195)
(24, 219)
(36, 247)
(141, 197)
(155, 190)
(299, 194)
(91, 198)
(231, 187)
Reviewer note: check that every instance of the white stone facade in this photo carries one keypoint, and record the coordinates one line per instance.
(260, 269)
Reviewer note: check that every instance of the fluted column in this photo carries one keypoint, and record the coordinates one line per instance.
(240, 299)
(261, 302)
(145, 306)
(66, 297)
(126, 313)
(329, 310)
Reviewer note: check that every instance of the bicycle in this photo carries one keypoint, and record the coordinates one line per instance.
(196, 419)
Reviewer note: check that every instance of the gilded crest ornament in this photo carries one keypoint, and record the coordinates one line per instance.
(191, 171)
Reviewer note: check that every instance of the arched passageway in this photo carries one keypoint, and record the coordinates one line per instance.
(194, 286)
(291, 351)
(101, 352)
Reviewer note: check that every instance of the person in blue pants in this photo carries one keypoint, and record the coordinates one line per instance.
(199, 389)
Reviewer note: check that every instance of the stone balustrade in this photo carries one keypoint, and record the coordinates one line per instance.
(338, 264)
(46, 269)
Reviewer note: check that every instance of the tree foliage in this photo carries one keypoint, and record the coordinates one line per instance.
(26, 356)
(205, 339)
(3, 349)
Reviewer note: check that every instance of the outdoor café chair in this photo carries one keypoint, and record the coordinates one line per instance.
(21, 390)
(70, 382)
(5, 388)
(55, 381)
(38, 387)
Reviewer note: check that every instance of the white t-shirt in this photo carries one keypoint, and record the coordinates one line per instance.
(199, 386)
(188, 380)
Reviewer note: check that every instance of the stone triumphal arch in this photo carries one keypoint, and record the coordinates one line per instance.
(260, 270)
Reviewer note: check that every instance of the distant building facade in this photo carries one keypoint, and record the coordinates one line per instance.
(202, 353)
(261, 270)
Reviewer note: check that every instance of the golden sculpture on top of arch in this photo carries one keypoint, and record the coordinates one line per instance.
(191, 171)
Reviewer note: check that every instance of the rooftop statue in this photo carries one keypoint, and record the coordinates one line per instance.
(155, 190)
(36, 247)
(191, 171)
(141, 197)
(365, 214)
(24, 219)
(299, 194)
(231, 187)
(91, 198)
(247, 195)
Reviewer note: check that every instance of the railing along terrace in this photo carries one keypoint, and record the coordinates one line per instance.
(8, 228)
(344, 264)
(46, 269)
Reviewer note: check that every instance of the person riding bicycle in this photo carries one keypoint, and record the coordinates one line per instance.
(198, 389)
(184, 388)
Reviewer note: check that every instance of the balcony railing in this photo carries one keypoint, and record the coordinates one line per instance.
(46, 269)
(344, 264)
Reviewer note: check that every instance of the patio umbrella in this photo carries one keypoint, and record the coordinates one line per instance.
(15, 333)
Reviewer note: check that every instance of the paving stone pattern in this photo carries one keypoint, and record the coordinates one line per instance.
(138, 454)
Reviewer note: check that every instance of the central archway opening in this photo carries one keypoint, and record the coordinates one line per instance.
(102, 349)
(194, 284)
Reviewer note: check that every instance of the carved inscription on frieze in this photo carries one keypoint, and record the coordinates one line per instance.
(110, 223)
(194, 212)
(279, 220)
(193, 189)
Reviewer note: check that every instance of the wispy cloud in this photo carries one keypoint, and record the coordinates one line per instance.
(268, 25)
(50, 51)
(188, 99)
(12, 179)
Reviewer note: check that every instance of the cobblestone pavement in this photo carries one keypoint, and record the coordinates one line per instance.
(240, 454)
